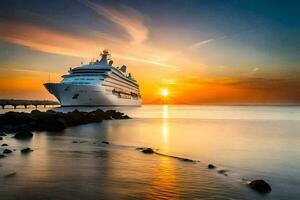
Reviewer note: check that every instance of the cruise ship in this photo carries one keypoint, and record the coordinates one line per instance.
(98, 83)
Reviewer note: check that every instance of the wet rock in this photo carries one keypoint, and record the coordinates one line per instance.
(14, 122)
(75, 142)
(7, 151)
(187, 160)
(260, 186)
(2, 156)
(1, 138)
(148, 151)
(105, 142)
(223, 171)
(26, 150)
(52, 124)
(211, 166)
(24, 135)
(4, 145)
(10, 175)
(2, 134)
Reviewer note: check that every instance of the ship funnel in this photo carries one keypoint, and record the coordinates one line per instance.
(123, 68)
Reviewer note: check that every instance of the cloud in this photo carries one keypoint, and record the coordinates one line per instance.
(53, 41)
(44, 39)
(127, 18)
(201, 43)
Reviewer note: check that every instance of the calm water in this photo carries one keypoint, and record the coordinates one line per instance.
(250, 141)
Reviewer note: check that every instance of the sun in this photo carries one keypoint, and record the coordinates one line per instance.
(164, 92)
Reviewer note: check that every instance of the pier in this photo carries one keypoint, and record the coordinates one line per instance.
(26, 103)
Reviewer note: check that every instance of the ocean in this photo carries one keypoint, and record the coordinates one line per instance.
(249, 142)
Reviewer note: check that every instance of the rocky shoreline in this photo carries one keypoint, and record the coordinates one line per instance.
(22, 124)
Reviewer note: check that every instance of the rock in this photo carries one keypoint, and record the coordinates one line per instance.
(10, 175)
(52, 124)
(23, 135)
(15, 122)
(148, 151)
(4, 145)
(223, 171)
(105, 142)
(2, 134)
(2, 156)
(26, 150)
(75, 142)
(260, 186)
(187, 160)
(1, 138)
(211, 166)
(6, 151)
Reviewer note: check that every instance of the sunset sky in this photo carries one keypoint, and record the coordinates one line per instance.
(201, 51)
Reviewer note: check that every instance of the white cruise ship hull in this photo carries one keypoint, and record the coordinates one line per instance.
(87, 95)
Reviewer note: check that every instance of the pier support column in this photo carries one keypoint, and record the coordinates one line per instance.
(2, 106)
(25, 106)
(15, 106)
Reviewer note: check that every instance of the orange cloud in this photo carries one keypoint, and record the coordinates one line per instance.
(44, 39)
(127, 18)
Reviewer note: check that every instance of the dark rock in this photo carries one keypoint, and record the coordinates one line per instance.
(210, 166)
(2, 156)
(23, 135)
(35, 112)
(6, 151)
(75, 142)
(26, 150)
(148, 151)
(2, 134)
(10, 175)
(15, 122)
(260, 186)
(1, 138)
(105, 142)
(4, 145)
(223, 171)
(187, 160)
(52, 124)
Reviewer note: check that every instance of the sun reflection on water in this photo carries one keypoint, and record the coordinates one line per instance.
(165, 127)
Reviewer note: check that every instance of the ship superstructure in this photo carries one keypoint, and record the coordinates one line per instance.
(98, 83)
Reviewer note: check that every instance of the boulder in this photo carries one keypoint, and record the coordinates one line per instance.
(10, 175)
(4, 145)
(23, 135)
(148, 151)
(187, 160)
(6, 151)
(105, 142)
(2, 156)
(26, 150)
(52, 124)
(211, 166)
(260, 186)
(1, 138)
